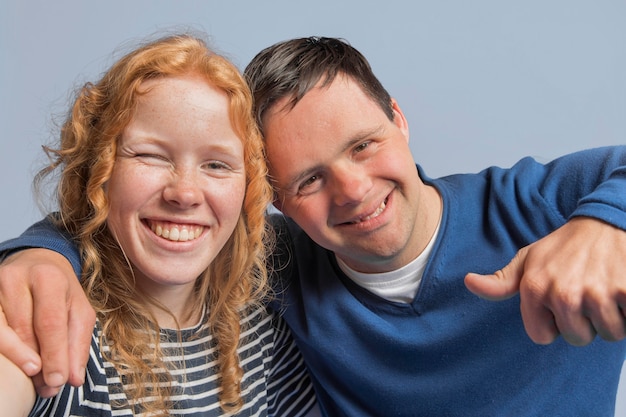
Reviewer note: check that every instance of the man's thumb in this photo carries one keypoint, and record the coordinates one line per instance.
(498, 286)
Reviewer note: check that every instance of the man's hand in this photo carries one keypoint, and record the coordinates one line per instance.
(43, 303)
(572, 282)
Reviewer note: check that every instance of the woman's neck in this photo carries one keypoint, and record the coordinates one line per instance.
(176, 308)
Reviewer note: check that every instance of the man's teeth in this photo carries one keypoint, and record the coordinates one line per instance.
(373, 215)
(177, 233)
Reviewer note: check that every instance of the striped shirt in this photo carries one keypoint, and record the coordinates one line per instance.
(275, 381)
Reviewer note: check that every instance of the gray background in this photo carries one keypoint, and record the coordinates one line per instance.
(481, 82)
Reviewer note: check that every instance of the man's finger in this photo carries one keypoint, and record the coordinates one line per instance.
(17, 301)
(576, 329)
(608, 320)
(42, 389)
(547, 313)
(15, 350)
(539, 322)
(51, 323)
(501, 284)
(81, 323)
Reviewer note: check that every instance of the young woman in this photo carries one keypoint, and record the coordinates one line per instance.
(163, 187)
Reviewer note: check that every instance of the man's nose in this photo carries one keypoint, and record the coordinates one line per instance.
(350, 184)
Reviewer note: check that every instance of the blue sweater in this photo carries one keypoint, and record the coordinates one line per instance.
(449, 353)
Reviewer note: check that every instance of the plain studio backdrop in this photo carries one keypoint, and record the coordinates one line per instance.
(482, 83)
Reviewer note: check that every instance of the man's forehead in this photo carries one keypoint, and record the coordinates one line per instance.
(287, 102)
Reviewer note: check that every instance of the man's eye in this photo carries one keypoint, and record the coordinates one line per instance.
(361, 147)
(308, 182)
(310, 185)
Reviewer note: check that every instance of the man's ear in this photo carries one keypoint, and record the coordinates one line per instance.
(277, 202)
(399, 119)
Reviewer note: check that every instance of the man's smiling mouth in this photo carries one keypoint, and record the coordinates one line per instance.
(375, 214)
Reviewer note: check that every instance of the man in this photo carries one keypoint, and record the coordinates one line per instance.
(373, 255)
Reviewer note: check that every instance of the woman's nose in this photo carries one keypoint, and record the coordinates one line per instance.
(184, 189)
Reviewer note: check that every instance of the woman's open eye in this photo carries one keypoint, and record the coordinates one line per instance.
(216, 165)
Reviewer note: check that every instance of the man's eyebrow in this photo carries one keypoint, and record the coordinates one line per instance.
(362, 135)
(299, 177)
(356, 138)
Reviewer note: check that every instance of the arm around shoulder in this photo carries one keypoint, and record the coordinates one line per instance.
(44, 234)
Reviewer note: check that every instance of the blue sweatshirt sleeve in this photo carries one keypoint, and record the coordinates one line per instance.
(589, 183)
(44, 234)
(607, 201)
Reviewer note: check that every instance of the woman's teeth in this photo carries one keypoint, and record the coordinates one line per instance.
(177, 233)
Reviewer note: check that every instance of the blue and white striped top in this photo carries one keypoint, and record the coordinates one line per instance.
(275, 381)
